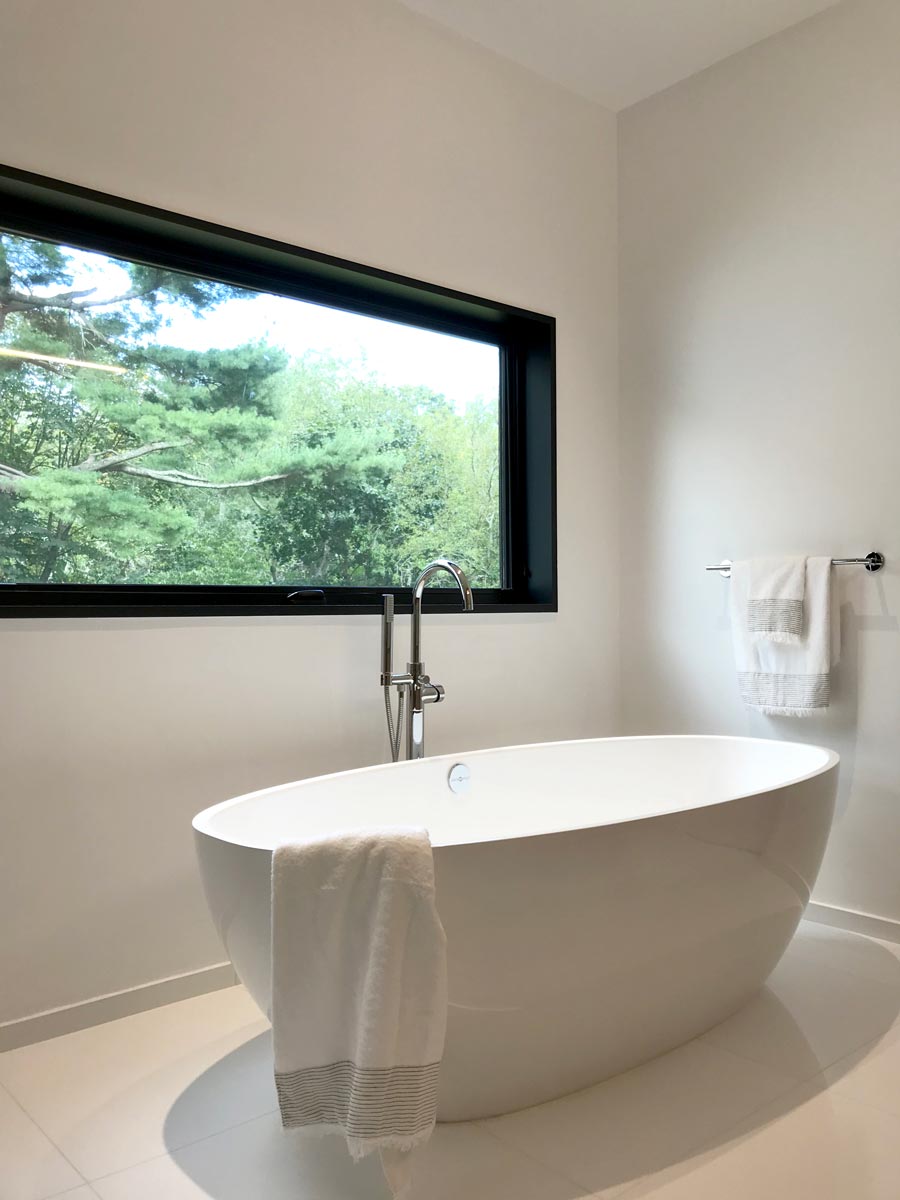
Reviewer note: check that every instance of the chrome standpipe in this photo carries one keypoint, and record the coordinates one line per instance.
(414, 687)
(389, 679)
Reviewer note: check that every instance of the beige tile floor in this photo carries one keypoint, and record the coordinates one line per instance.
(796, 1097)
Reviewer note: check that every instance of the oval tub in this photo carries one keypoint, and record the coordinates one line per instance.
(604, 900)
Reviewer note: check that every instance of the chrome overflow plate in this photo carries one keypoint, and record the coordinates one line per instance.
(459, 778)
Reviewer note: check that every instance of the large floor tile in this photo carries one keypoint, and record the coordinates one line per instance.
(259, 1160)
(31, 1168)
(838, 949)
(807, 1146)
(608, 1136)
(117, 1094)
(809, 1016)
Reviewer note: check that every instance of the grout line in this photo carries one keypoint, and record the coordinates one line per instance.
(822, 1067)
(825, 1086)
(586, 1193)
(796, 1080)
(21, 1107)
(809, 955)
(855, 1102)
(722, 1138)
(808, 952)
(892, 1030)
(170, 1152)
(809, 1086)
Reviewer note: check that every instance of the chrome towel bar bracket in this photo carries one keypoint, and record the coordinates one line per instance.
(872, 562)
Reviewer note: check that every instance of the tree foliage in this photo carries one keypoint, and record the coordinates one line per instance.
(226, 466)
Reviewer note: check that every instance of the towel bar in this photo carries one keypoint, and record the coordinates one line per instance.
(872, 562)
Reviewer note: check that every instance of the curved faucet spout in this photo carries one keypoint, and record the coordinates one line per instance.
(434, 568)
(452, 568)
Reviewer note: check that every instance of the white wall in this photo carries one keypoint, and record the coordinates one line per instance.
(355, 128)
(760, 293)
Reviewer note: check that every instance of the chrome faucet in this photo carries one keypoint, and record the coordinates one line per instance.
(415, 688)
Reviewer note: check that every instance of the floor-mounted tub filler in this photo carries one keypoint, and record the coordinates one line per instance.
(604, 900)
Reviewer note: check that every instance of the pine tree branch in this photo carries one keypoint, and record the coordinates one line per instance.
(12, 474)
(112, 462)
(72, 302)
(11, 477)
(185, 480)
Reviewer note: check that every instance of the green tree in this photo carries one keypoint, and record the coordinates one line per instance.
(435, 491)
(157, 464)
(96, 464)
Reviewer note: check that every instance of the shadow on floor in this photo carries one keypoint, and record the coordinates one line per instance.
(624, 1129)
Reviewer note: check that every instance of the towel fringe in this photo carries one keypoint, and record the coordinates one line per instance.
(359, 1148)
(770, 710)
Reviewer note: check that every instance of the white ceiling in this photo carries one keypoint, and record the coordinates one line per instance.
(617, 51)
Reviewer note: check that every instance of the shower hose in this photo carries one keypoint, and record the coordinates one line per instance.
(394, 734)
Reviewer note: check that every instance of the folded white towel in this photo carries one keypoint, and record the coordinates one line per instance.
(359, 991)
(775, 602)
(781, 679)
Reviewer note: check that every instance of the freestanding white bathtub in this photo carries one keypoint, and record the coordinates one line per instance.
(603, 900)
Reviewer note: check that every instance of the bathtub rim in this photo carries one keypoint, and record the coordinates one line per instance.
(202, 821)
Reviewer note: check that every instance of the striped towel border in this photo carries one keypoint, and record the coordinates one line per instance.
(802, 692)
(367, 1102)
(775, 616)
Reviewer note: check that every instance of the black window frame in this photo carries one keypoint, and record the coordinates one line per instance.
(37, 207)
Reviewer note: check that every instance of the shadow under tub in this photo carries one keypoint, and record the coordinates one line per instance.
(607, 1136)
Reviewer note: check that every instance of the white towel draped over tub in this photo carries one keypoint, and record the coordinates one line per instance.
(787, 679)
(359, 991)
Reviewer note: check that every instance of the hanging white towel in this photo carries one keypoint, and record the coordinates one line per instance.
(780, 679)
(775, 601)
(359, 991)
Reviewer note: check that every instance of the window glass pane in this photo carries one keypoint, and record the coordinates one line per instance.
(160, 428)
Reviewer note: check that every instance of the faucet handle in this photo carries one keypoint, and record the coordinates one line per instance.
(432, 693)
